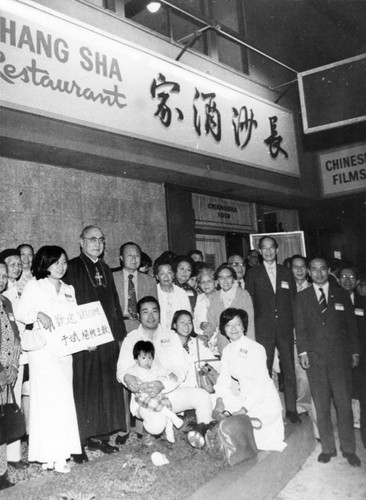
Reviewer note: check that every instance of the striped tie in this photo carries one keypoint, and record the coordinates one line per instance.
(322, 301)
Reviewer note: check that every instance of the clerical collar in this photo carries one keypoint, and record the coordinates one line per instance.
(87, 256)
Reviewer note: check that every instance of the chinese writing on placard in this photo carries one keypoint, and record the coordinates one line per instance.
(80, 328)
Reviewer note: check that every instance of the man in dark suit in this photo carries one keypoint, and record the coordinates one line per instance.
(328, 348)
(348, 281)
(131, 284)
(272, 288)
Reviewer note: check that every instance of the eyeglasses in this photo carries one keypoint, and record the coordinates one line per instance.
(237, 264)
(223, 278)
(94, 239)
(345, 276)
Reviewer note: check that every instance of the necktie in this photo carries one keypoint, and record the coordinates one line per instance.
(271, 273)
(132, 302)
(239, 284)
(322, 301)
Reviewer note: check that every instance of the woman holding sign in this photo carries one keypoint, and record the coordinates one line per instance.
(53, 427)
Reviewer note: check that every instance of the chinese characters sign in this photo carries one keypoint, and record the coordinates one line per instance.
(54, 66)
(80, 328)
(343, 170)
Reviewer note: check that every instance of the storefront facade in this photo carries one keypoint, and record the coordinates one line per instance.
(101, 125)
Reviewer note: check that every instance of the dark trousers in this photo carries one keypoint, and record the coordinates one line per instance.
(285, 346)
(332, 381)
(362, 399)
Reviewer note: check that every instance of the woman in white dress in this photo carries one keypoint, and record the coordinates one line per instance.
(53, 427)
(244, 384)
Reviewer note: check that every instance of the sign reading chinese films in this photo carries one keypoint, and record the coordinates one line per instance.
(55, 66)
(343, 170)
(211, 211)
(77, 329)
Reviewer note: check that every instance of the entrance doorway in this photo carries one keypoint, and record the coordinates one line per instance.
(213, 248)
(216, 248)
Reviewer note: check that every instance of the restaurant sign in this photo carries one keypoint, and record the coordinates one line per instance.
(55, 66)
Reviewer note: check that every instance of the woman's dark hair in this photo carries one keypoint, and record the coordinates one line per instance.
(176, 316)
(44, 258)
(230, 314)
(182, 258)
(228, 268)
(144, 346)
(195, 251)
(161, 261)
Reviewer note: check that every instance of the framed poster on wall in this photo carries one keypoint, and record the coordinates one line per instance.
(289, 243)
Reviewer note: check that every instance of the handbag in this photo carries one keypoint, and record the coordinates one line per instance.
(206, 374)
(232, 439)
(12, 422)
(33, 339)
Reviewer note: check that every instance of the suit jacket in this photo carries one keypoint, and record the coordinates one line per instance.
(330, 336)
(359, 307)
(146, 285)
(271, 310)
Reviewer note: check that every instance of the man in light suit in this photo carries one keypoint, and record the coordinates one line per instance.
(272, 288)
(129, 280)
(328, 348)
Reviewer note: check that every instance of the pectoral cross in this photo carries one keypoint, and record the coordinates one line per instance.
(98, 278)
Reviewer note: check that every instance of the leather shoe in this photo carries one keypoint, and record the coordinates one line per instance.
(104, 446)
(121, 440)
(352, 459)
(19, 465)
(293, 417)
(324, 458)
(81, 458)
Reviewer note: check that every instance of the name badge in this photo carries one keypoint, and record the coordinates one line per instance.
(359, 312)
(165, 342)
(339, 307)
(68, 297)
(11, 317)
(243, 353)
(285, 284)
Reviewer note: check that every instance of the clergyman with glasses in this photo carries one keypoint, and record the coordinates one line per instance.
(98, 396)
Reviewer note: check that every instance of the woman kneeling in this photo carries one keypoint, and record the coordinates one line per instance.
(244, 383)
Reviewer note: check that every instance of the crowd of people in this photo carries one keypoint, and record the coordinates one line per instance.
(248, 317)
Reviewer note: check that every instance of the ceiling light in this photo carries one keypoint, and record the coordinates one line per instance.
(153, 7)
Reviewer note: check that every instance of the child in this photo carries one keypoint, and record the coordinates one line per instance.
(143, 353)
